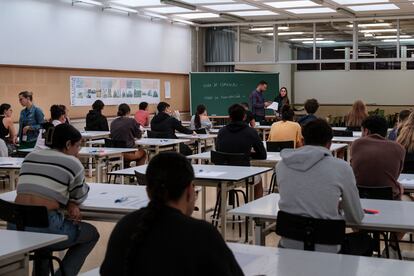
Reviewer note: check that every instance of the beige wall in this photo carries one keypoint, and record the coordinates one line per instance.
(51, 86)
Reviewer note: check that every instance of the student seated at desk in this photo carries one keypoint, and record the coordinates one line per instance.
(125, 129)
(249, 115)
(286, 130)
(163, 239)
(406, 139)
(402, 117)
(95, 121)
(238, 137)
(311, 183)
(166, 125)
(7, 131)
(55, 178)
(142, 115)
(375, 160)
(311, 106)
(200, 120)
(57, 117)
(358, 113)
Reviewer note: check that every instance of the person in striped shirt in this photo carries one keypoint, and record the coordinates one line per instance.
(55, 178)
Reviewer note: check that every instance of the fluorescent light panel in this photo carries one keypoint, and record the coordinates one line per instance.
(137, 3)
(91, 2)
(351, 2)
(253, 13)
(379, 7)
(368, 25)
(231, 7)
(198, 2)
(311, 10)
(379, 31)
(391, 36)
(168, 10)
(306, 39)
(401, 40)
(320, 42)
(197, 15)
(292, 4)
(287, 33)
(120, 8)
(267, 29)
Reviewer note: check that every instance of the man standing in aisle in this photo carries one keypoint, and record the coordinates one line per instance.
(257, 101)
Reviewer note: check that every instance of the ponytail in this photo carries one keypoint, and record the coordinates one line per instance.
(197, 120)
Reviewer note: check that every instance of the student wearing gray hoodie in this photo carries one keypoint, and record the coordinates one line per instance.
(312, 182)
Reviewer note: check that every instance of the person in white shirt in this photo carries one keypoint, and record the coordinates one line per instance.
(57, 117)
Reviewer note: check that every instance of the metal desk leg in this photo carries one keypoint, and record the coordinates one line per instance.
(259, 238)
(90, 167)
(223, 209)
(98, 170)
(122, 167)
(203, 202)
(13, 178)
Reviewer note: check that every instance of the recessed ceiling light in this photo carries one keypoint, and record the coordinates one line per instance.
(267, 29)
(168, 10)
(137, 3)
(197, 15)
(379, 7)
(379, 31)
(231, 7)
(287, 33)
(306, 39)
(292, 4)
(254, 13)
(391, 36)
(312, 10)
(351, 2)
(368, 25)
(320, 42)
(368, 35)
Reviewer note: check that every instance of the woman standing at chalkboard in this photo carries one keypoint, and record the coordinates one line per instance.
(282, 99)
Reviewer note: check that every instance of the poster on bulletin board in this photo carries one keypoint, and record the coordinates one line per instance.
(113, 91)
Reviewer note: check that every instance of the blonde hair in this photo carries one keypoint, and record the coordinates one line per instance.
(406, 135)
(357, 115)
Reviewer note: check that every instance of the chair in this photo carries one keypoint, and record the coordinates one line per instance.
(273, 146)
(141, 179)
(384, 193)
(310, 231)
(110, 143)
(350, 128)
(344, 133)
(30, 216)
(159, 134)
(230, 159)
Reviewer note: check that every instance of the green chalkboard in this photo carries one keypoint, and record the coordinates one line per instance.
(217, 91)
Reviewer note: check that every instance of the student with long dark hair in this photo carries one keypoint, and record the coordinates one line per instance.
(57, 117)
(95, 121)
(55, 178)
(200, 120)
(162, 238)
(282, 99)
(7, 130)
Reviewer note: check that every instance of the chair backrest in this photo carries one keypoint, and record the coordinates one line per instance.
(24, 215)
(158, 134)
(110, 143)
(351, 128)
(310, 231)
(343, 133)
(201, 131)
(3, 149)
(141, 179)
(375, 192)
(266, 123)
(230, 159)
(272, 146)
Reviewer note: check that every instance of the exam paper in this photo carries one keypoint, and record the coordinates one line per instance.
(273, 106)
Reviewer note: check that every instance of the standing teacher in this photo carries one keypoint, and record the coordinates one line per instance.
(31, 117)
(258, 102)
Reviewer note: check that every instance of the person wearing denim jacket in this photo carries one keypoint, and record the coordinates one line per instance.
(31, 117)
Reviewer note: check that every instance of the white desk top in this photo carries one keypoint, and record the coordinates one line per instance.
(102, 198)
(271, 156)
(393, 215)
(263, 127)
(196, 137)
(94, 134)
(259, 260)
(159, 142)
(88, 151)
(20, 242)
(208, 172)
(10, 162)
(407, 181)
(344, 139)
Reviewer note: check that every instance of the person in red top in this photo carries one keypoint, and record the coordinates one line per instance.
(142, 115)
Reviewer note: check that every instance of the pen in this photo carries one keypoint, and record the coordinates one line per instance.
(122, 199)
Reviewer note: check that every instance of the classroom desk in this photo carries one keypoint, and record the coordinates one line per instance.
(199, 139)
(156, 145)
(11, 166)
(214, 130)
(265, 130)
(407, 181)
(94, 135)
(259, 260)
(16, 246)
(100, 204)
(215, 176)
(394, 216)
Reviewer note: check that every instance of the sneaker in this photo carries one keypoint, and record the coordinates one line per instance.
(392, 251)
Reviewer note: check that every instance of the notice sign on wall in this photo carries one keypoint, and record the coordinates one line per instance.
(113, 91)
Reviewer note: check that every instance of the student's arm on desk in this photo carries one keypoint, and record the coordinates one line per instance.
(180, 128)
(351, 204)
(259, 149)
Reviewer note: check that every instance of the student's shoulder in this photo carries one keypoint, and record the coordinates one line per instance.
(340, 166)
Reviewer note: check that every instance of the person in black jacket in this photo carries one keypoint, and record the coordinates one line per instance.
(238, 137)
(166, 125)
(162, 238)
(95, 121)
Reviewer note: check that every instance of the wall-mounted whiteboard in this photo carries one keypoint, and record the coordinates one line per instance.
(55, 33)
(113, 91)
(382, 87)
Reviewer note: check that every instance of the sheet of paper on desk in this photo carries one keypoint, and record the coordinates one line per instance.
(408, 181)
(273, 106)
(209, 174)
(245, 259)
(7, 163)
